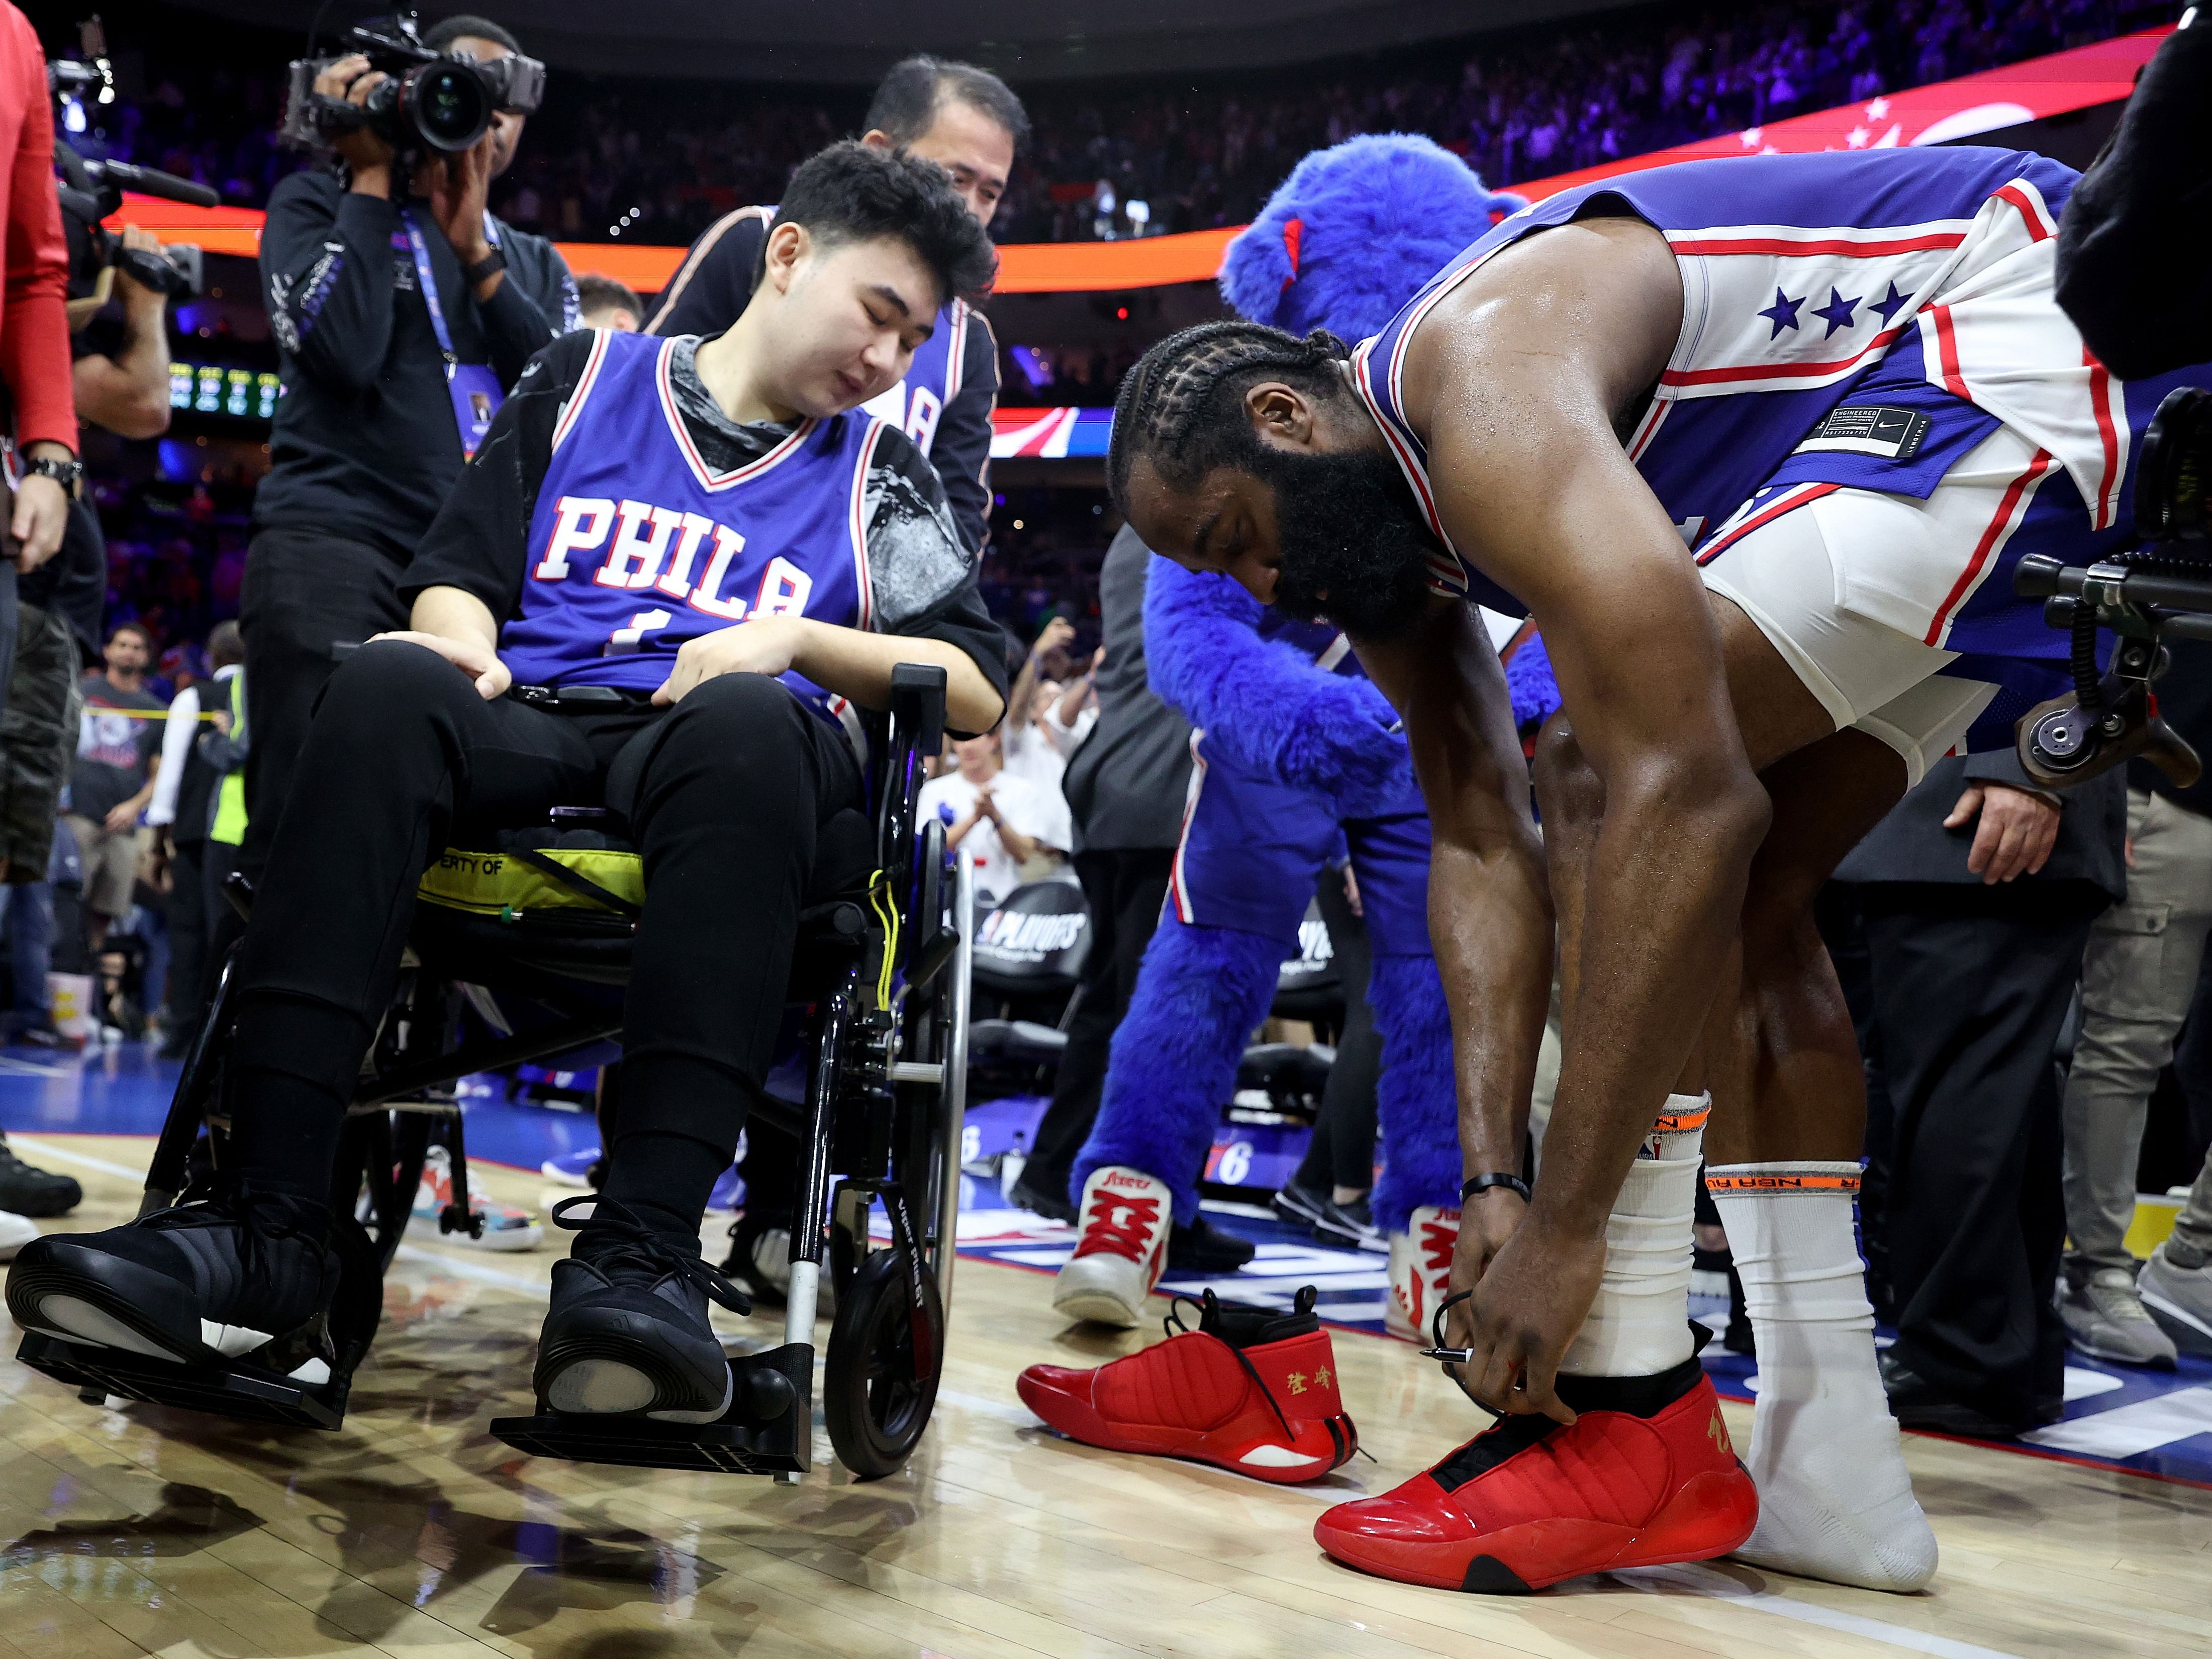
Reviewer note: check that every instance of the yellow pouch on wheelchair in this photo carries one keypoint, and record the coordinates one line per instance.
(579, 881)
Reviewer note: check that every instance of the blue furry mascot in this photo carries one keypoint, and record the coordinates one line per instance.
(1294, 748)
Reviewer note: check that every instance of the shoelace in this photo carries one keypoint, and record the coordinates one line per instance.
(642, 1247)
(1103, 1232)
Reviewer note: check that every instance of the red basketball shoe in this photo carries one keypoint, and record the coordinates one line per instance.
(1251, 1389)
(1645, 1475)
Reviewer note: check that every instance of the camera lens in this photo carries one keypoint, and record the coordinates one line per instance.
(449, 103)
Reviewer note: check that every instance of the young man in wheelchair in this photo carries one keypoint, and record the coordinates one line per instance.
(667, 577)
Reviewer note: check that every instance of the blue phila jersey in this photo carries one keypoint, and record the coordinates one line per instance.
(1849, 320)
(635, 547)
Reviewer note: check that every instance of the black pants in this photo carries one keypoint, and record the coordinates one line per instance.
(1125, 889)
(188, 936)
(725, 795)
(1342, 1153)
(1969, 987)
(306, 596)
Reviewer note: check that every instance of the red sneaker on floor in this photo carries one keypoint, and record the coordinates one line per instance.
(1645, 1475)
(1252, 1389)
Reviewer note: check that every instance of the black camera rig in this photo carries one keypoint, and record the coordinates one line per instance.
(2163, 590)
(90, 190)
(428, 99)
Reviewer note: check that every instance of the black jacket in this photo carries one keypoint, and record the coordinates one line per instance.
(715, 284)
(366, 444)
(1912, 845)
(1126, 785)
(2135, 244)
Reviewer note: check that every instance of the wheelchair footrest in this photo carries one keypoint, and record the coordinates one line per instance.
(768, 1430)
(238, 1389)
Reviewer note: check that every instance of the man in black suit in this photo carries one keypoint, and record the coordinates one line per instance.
(1976, 895)
(1125, 788)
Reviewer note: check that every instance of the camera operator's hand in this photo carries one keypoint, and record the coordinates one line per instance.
(41, 513)
(136, 296)
(362, 149)
(472, 657)
(458, 186)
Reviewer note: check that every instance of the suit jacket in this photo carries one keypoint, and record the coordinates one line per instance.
(1126, 785)
(1912, 845)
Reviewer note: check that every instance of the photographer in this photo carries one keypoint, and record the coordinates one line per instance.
(2135, 244)
(403, 310)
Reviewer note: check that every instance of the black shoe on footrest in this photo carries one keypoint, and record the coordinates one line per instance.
(627, 1335)
(768, 1428)
(243, 1273)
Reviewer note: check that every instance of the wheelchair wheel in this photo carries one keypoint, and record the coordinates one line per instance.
(876, 1391)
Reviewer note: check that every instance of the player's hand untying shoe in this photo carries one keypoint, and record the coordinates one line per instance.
(1531, 1299)
(768, 646)
(1486, 1221)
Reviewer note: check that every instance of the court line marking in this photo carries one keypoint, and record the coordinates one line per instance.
(45, 1149)
(1717, 1586)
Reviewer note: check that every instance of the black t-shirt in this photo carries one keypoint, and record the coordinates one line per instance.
(366, 444)
(118, 734)
(921, 574)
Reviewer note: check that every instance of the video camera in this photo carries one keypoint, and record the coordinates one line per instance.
(2165, 588)
(445, 102)
(90, 190)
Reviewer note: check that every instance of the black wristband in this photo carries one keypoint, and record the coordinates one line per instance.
(491, 264)
(1483, 1183)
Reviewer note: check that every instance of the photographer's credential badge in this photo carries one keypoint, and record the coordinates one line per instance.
(474, 387)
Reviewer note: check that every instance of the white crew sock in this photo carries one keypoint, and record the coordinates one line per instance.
(1835, 1501)
(1639, 1325)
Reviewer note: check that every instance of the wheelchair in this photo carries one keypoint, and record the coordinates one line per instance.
(520, 953)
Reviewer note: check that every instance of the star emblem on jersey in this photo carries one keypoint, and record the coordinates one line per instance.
(1783, 313)
(1890, 305)
(1838, 311)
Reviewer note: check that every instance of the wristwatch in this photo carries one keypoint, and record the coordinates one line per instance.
(65, 473)
(490, 266)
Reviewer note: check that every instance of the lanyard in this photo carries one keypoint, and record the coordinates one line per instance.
(474, 388)
(429, 285)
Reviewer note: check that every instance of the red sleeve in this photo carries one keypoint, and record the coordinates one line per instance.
(34, 353)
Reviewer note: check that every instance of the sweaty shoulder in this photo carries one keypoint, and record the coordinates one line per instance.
(1598, 300)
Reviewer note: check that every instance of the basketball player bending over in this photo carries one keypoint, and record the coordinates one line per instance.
(703, 527)
(1757, 443)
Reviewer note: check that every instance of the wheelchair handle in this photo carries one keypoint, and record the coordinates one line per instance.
(917, 698)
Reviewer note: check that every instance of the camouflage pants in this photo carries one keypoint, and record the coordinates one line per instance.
(38, 735)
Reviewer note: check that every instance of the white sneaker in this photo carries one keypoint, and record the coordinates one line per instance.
(1125, 1215)
(506, 1228)
(1421, 1272)
(15, 1231)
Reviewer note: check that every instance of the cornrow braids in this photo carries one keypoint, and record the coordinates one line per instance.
(1178, 405)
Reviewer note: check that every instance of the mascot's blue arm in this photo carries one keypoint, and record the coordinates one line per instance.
(1264, 705)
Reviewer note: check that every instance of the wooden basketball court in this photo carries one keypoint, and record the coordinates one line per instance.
(413, 1533)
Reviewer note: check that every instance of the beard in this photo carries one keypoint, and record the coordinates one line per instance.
(1353, 547)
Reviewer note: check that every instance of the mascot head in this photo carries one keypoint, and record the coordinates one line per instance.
(1354, 232)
